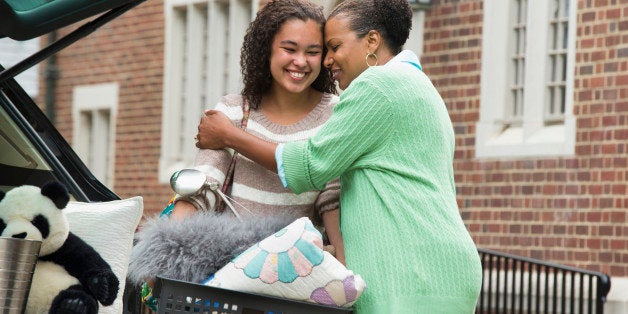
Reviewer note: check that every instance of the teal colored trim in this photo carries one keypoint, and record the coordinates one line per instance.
(254, 268)
(285, 268)
(418, 66)
(166, 212)
(313, 253)
(25, 5)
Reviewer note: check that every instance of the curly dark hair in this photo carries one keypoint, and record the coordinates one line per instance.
(256, 49)
(391, 18)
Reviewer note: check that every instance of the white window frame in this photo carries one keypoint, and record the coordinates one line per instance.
(494, 137)
(95, 147)
(415, 40)
(202, 63)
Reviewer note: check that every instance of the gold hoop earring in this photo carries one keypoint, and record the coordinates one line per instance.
(371, 54)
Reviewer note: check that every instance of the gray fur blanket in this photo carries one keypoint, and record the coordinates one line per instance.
(194, 248)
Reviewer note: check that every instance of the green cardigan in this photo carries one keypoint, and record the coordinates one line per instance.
(391, 141)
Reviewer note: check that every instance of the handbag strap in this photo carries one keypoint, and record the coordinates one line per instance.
(220, 204)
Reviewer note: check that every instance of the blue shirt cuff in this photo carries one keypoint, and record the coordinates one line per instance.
(279, 160)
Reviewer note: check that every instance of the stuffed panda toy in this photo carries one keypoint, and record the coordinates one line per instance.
(70, 276)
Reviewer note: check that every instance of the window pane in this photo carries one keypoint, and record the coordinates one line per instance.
(99, 145)
(514, 114)
(557, 76)
(20, 161)
(179, 48)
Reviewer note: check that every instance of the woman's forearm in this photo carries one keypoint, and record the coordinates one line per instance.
(331, 222)
(216, 131)
(254, 148)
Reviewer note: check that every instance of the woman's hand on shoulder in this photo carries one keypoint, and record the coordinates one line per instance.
(213, 130)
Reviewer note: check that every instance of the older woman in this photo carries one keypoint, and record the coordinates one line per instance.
(391, 141)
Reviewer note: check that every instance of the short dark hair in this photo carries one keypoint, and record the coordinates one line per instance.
(256, 49)
(391, 18)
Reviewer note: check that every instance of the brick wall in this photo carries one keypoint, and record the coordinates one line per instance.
(568, 210)
(129, 51)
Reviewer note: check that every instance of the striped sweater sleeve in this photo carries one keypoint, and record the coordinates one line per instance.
(214, 163)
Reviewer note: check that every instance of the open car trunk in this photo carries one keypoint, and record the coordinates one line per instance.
(33, 151)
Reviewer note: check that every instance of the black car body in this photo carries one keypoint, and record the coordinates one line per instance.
(32, 151)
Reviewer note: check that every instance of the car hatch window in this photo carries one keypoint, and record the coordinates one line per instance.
(20, 162)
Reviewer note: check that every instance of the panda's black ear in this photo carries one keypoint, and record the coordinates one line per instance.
(57, 193)
(2, 195)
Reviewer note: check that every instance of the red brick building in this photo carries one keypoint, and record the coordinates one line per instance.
(538, 99)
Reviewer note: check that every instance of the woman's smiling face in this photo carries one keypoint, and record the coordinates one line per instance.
(346, 53)
(296, 53)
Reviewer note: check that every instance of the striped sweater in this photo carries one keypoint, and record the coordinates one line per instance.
(391, 141)
(255, 188)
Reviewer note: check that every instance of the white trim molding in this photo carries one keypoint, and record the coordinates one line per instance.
(94, 116)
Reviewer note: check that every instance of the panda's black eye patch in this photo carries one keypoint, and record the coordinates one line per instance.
(41, 223)
(3, 225)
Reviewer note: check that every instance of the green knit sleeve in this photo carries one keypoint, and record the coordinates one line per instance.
(361, 123)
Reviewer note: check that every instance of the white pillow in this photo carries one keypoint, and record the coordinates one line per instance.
(292, 264)
(109, 228)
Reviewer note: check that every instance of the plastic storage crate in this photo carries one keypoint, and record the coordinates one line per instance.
(184, 297)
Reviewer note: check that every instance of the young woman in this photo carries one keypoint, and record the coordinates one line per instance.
(391, 141)
(290, 98)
